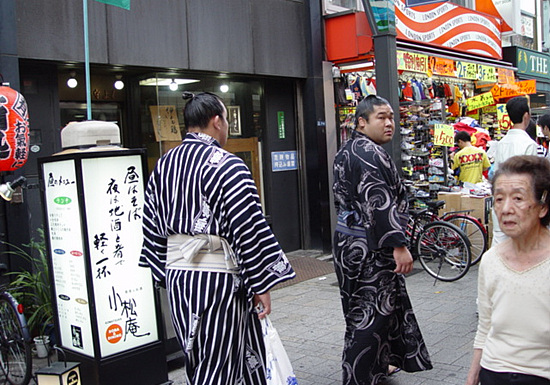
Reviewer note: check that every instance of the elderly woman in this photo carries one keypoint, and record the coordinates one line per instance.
(512, 344)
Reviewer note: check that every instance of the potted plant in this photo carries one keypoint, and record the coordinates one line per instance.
(32, 287)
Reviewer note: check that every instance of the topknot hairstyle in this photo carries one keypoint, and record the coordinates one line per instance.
(200, 108)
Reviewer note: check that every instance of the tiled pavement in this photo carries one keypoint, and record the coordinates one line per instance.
(308, 317)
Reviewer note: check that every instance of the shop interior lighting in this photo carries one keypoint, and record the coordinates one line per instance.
(165, 81)
(224, 88)
(173, 85)
(119, 84)
(71, 81)
(357, 67)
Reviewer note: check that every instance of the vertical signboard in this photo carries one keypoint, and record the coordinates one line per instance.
(122, 290)
(105, 302)
(67, 256)
(281, 129)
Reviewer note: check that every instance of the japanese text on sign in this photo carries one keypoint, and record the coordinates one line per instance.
(482, 100)
(504, 122)
(281, 128)
(440, 66)
(409, 61)
(123, 208)
(525, 87)
(444, 135)
(165, 123)
(122, 289)
(505, 76)
(466, 70)
(486, 73)
(65, 235)
(284, 161)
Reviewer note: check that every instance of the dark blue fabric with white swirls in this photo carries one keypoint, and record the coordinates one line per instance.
(371, 204)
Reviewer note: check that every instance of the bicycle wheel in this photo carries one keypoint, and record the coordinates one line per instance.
(475, 231)
(15, 351)
(443, 251)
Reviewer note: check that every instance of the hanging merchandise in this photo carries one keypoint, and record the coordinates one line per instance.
(424, 163)
(350, 88)
(14, 129)
(480, 137)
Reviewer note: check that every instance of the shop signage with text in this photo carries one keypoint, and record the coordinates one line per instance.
(433, 65)
(505, 76)
(444, 135)
(479, 101)
(504, 122)
(466, 70)
(532, 63)
(450, 26)
(409, 61)
(489, 109)
(440, 66)
(486, 73)
(525, 87)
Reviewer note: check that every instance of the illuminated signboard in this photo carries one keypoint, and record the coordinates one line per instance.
(94, 210)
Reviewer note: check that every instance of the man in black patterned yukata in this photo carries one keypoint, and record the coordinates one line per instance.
(371, 255)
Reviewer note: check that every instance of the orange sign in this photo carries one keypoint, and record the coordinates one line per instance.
(505, 76)
(525, 87)
(113, 333)
(440, 66)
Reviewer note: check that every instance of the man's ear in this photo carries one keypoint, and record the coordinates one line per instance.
(216, 120)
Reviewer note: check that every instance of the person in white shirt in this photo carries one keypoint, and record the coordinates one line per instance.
(516, 142)
(512, 343)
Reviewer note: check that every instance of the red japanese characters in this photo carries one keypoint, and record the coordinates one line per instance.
(14, 129)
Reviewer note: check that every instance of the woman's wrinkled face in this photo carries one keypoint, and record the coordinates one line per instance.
(517, 210)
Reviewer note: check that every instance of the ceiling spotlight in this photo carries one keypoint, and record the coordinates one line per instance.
(173, 85)
(71, 81)
(224, 88)
(119, 84)
(7, 189)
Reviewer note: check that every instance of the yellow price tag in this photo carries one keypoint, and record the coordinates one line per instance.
(444, 135)
(504, 122)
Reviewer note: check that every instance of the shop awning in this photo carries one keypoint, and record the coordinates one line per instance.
(348, 37)
(451, 54)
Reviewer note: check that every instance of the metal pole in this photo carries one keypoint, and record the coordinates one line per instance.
(385, 54)
(87, 60)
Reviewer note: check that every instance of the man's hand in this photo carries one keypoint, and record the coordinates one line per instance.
(265, 300)
(403, 260)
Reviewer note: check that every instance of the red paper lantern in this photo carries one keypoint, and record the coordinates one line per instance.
(14, 129)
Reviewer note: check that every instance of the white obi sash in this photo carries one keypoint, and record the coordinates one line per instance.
(202, 252)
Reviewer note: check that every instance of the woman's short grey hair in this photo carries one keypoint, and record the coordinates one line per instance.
(538, 168)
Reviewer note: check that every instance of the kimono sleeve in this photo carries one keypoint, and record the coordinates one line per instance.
(262, 260)
(382, 201)
(153, 253)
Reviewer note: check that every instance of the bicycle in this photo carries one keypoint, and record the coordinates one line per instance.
(441, 247)
(15, 339)
(471, 226)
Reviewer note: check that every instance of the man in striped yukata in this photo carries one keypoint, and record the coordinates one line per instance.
(207, 241)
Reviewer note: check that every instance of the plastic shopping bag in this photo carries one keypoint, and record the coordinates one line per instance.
(278, 368)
